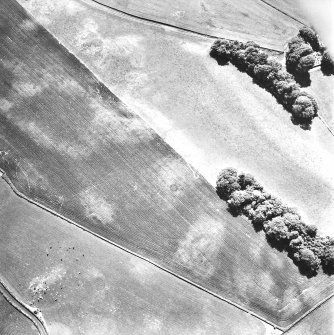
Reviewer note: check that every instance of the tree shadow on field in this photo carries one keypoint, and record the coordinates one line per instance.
(302, 123)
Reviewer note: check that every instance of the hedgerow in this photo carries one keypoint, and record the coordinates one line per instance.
(282, 224)
(268, 73)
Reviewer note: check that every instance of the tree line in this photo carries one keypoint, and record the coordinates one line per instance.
(267, 72)
(282, 224)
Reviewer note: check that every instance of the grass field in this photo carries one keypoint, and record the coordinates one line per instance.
(241, 19)
(85, 286)
(293, 8)
(68, 143)
(319, 322)
(169, 79)
(12, 322)
(322, 87)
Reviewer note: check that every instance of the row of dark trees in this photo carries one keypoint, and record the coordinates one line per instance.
(282, 225)
(300, 55)
(268, 73)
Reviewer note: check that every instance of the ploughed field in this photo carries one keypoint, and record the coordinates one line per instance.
(238, 19)
(68, 143)
(83, 285)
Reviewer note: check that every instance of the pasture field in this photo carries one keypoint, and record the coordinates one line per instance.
(319, 322)
(12, 322)
(322, 88)
(293, 8)
(83, 285)
(238, 19)
(70, 144)
(169, 79)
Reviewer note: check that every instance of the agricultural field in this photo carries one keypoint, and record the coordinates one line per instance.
(12, 322)
(169, 79)
(319, 322)
(84, 150)
(241, 19)
(322, 87)
(293, 8)
(83, 285)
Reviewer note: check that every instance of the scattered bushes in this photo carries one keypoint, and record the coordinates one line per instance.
(268, 73)
(282, 224)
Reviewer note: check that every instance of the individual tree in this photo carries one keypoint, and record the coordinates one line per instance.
(311, 230)
(267, 210)
(328, 260)
(307, 260)
(227, 183)
(305, 64)
(293, 56)
(246, 180)
(304, 107)
(295, 43)
(327, 63)
(239, 199)
(262, 73)
(310, 36)
(276, 230)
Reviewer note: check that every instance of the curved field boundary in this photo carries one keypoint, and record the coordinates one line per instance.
(33, 314)
(156, 22)
(21, 195)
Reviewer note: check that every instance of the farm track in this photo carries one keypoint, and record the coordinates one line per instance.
(13, 298)
(21, 195)
(159, 23)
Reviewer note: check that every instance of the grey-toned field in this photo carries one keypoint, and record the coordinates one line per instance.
(12, 322)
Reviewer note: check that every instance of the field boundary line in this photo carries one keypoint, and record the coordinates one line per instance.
(309, 312)
(21, 195)
(33, 314)
(159, 23)
(326, 124)
(281, 11)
